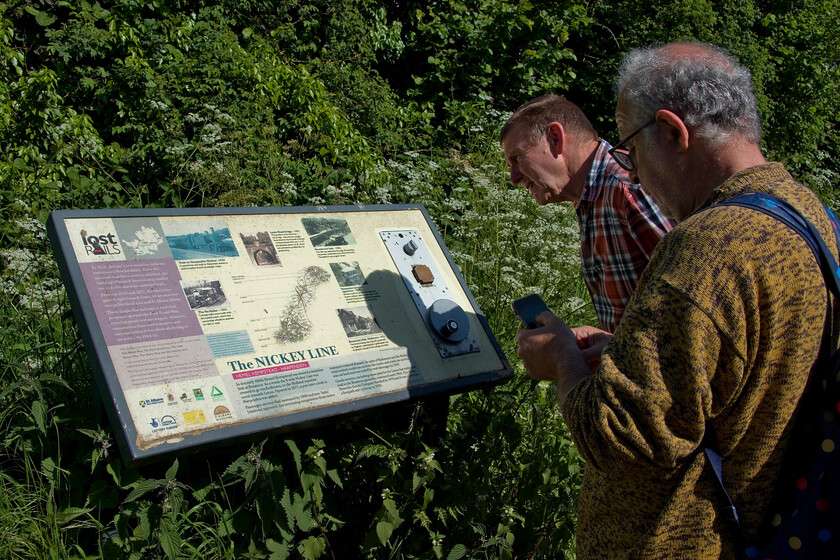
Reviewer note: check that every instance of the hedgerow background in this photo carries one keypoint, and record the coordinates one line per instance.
(254, 102)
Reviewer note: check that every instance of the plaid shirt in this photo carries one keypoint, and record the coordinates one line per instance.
(619, 228)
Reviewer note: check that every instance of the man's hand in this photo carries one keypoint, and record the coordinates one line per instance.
(591, 342)
(550, 353)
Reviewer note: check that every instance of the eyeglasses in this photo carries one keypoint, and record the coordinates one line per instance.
(622, 154)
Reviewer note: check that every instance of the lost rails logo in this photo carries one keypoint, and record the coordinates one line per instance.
(100, 244)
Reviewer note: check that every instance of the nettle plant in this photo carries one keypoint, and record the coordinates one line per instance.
(251, 509)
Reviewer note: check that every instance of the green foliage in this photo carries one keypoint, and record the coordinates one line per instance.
(792, 49)
(131, 104)
(466, 58)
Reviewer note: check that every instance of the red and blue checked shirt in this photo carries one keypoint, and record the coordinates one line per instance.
(619, 227)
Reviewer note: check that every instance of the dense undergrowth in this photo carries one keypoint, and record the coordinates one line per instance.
(169, 104)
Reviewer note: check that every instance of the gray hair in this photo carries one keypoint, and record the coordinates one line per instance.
(707, 88)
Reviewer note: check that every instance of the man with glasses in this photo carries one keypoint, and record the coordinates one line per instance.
(554, 152)
(715, 348)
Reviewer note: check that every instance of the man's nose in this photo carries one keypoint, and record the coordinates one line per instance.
(634, 176)
(515, 175)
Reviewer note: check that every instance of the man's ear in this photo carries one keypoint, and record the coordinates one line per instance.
(675, 128)
(556, 136)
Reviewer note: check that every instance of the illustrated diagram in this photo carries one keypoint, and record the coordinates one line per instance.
(295, 324)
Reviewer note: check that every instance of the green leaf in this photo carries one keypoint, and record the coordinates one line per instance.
(92, 434)
(295, 453)
(278, 550)
(333, 474)
(67, 515)
(312, 548)
(428, 496)
(383, 531)
(458, 551)
(48, 467)
(149, 517)
(115, 469)
(310, 479)
(39, 413)
(44, 19)
(173, 470)
(170, 542)
(303, 514)
(142, 488)
(338, 522)
(288, 509)
(94, 457)
(391, 507)
(225, 527)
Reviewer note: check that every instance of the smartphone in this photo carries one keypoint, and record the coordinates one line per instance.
(527, 308)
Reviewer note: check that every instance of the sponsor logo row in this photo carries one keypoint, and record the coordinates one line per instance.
(188, 418)
(216, 394)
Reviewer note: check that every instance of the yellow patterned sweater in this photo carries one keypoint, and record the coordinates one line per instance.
(723, 330)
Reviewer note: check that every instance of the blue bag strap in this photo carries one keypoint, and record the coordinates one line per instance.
(781, 210)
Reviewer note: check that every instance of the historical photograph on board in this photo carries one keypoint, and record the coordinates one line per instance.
(199, 239)
(328, 232)
(347, 273)
(358, 321)
(202, 294)
(260, 248)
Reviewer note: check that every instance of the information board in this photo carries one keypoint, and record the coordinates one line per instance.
(206, 325)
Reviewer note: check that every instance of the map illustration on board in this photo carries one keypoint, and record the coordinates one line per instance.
(295, 324)
(146, 242)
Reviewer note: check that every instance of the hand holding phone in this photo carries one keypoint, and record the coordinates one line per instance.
(527, 309)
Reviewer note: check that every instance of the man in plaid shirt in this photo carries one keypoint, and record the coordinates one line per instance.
(554, 152)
